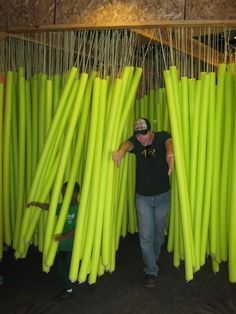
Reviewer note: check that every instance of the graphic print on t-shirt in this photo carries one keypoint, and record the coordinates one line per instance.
(148, 152)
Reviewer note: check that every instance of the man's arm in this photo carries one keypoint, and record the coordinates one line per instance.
(169, 155)
(120, 153)
(62, 236)
(38, 204)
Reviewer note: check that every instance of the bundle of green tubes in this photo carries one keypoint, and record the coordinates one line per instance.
(65, 129)
(203, 207)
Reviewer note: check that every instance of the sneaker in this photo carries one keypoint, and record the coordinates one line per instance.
(150, 281)
(65, 295)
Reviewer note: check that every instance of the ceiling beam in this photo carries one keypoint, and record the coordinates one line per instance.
(3, 35)
(119, 25)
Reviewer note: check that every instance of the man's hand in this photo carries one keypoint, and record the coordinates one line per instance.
(33, 203)
(117, 156)
(62, 236)
(170, 159)
(120, 153)
(59, 237)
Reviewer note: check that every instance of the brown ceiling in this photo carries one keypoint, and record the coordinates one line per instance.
(27, 13)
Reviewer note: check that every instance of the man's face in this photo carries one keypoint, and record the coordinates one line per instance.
(144, 139)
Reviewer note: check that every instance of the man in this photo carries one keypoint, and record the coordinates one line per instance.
(155, 161)
(66, 239)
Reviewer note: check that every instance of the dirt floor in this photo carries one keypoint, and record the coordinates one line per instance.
(27, 290)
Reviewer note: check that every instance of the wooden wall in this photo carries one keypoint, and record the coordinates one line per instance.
(19, 13)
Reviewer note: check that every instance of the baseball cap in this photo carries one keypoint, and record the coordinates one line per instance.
(142, 126)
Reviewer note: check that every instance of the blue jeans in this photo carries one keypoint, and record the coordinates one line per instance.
(152, 215)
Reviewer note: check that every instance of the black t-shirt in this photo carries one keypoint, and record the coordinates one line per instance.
(151, 166)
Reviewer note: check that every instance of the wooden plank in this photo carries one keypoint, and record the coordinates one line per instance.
(3, 35)
(130, 25)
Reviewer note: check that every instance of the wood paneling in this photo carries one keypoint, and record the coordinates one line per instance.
(29, 13)
(117, 10)
(26, 13)
(214, 9)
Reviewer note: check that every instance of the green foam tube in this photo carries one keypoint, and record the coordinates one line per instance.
(42, 107)
(96, 134)
(41, 164)
(22, 148)
(1, 176)
(201, 171)
(35, 130)
(185, 122)
(64, 157)
(232, 212)
(209, 170)
(181, 177)
(229, 109)
(28, 136)
(194, 147)
(214, 221)
(84, 198)
(6, 158)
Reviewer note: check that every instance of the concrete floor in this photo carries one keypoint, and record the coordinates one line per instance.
(27, 290)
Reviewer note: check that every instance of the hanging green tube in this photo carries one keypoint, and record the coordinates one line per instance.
(56, 121)
(185, 122)
(44, 155)
(132, 221)
(232, 212)
(174, 76)
(49, 163)
(115, 114)
(107, 164)
(201, 171)
(209, 170)
(1, 176)
(41, 117)
(28, 136)
(72, 178)
(159, 108)
(56, 91)
(229, 110)
(121, 203)
(151, 106)
(194, 147)
(107, 150)
(22, 146)
(166, 118)
(14, 149)
(96, 135)
(171, 226)
(129, 101)
(191, 96)
(34, 110)
(6, 158)
(64, 157)
(214, 221)
(80, 226)
(181, 177)
(176, 256)
(48, 105)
